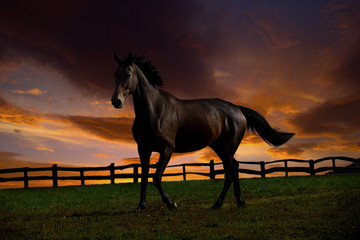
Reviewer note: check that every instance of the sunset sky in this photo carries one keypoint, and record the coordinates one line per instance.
(296, 62)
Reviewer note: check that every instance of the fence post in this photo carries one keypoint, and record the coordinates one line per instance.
(311, 166)
(112, 173)
(334, 166)
(262, 169)
(26, 178)
(54, 175)
(82, 177)
(286, 168)
(184, 172)
(212, 169)
(136, 172)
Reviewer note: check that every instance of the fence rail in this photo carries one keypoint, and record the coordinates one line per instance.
(55, 169)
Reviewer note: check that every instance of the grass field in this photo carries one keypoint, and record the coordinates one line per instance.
(320, 207)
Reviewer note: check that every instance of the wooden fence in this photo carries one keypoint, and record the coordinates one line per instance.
(55, 169)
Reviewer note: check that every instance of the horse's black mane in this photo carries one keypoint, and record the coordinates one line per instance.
(149, 70)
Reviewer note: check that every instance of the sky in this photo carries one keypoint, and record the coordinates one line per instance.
(295, 62)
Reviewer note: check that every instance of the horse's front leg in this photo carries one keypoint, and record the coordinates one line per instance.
(145, 162)
(164, 159)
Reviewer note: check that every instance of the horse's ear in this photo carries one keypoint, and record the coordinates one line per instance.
(116, 58)
(131, 58)
(130, 55)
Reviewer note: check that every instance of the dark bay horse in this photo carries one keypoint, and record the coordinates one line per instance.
(166, 124)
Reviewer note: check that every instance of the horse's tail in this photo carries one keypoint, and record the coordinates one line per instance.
(261, 127)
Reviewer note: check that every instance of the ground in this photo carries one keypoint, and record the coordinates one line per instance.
(318, 207)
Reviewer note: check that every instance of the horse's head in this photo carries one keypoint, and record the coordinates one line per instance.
(125, 80)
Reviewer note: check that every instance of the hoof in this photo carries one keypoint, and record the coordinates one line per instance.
(214, 207)
(217, 205)
(241, 203)
(172, 206)
(140, 208)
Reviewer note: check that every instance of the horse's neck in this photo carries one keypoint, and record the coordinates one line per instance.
(144, 98)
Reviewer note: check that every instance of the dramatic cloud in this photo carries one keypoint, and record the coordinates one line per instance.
(112, 129)
(16, 115)
(292, 150)
(81, 45)
(337, 117)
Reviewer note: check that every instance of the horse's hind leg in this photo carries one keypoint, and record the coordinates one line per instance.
(226, 160)
(235, 178)
(161, 165)
(220, 200)
(231, 168)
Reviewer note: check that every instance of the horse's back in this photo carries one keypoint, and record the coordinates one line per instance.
(204, 121)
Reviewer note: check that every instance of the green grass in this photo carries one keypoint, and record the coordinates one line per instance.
(320, 207)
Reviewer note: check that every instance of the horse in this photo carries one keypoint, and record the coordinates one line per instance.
(167, 125)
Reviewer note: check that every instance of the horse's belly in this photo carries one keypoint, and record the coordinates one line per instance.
(193, 140)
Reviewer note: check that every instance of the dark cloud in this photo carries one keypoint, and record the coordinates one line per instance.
(78, 39)
(186, 40)
(111, 129)
(292, 150)
(340, 114)
(345, 77)
(332, 117)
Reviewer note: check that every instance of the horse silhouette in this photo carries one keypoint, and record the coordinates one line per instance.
(166, 124)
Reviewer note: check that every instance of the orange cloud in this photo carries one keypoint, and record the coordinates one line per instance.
(12, 114)
(111, 129)
(251, 139)
(283, 153)
(44, 149)
(9, 159)
(34, 91)
(265, 103)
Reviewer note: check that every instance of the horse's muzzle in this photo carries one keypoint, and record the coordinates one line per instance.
(116, 103)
